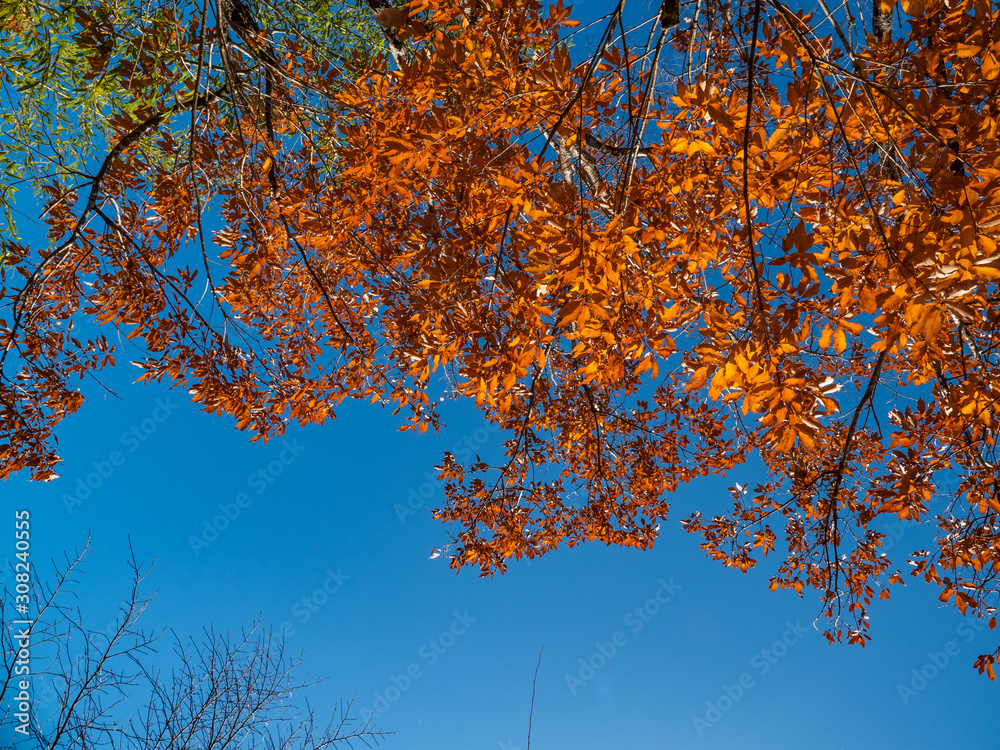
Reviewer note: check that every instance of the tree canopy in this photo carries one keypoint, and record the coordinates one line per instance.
(731, 231)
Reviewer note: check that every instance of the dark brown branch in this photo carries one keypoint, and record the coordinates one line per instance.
(605, 148)
(379, 10)
(748, 221)
(594, 60)
(881, 22)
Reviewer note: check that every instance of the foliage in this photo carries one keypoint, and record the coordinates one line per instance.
(759, 233)
(68, 70)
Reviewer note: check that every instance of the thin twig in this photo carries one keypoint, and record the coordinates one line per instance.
(531, 711)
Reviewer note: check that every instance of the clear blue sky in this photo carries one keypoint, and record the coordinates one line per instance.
(643, 650)
(330, 515)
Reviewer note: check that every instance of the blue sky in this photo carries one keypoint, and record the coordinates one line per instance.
(687, 654)
(656, 649)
